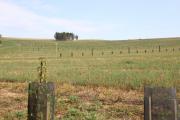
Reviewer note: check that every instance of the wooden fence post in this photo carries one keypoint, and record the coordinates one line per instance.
(92, 52)
(60, 55)
(160, 103)
(178, 108)
(72, 54)
(41, 101)
(150, 114)
(166, 49)
(147, 103)
(159, 48)
(145, 51)
(102, 53)
(129, 50)
(112, 52)
(41, 96)
(175, 109)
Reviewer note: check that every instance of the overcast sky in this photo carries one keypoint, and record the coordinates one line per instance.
(96, 19)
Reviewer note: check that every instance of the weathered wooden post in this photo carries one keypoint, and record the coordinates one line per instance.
(92, 52)
(129, 50)
(112, 52)
(60, 55)
(178, 109)
(102, 53)
(166, 49)
(72, 54)
(145, 51)
(41, 97)
(160, 103)
(159, 48)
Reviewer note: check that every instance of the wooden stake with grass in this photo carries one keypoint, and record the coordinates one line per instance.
(41, 96)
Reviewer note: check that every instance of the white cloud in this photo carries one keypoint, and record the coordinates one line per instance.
(22, 20)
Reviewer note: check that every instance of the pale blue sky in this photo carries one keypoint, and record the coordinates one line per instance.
(101, 19)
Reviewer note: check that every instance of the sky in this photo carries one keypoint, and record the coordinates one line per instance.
(90, 19)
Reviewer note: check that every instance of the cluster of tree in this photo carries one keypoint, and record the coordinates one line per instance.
(65, 36)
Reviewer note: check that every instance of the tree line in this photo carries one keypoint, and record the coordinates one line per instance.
(64, 36)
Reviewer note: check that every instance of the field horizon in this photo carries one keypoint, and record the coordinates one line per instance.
(104, 57)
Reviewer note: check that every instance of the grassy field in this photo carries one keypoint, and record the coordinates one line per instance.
(110, 65)
(114, 72)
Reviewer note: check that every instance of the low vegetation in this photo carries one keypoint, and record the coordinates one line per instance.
(83, 63)
(75, 102)
(95, 80)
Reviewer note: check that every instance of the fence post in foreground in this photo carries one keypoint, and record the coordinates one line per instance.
(160, 103)
(41, 97)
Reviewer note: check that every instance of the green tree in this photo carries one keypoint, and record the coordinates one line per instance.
(64, 36)
(76, 37)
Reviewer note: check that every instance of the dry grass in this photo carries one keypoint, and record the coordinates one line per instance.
(103, 102)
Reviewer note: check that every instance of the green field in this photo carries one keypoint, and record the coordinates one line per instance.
(110, 65)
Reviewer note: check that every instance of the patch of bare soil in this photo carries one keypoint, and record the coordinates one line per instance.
(12, 97)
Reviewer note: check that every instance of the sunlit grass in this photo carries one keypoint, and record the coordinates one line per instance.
(115, 67)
